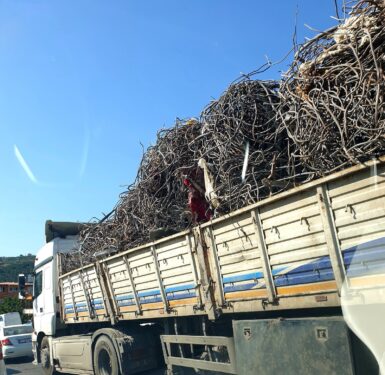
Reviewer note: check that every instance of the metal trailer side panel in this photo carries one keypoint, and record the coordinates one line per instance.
(289, 251)
(82, 296)
(358, 207)
(163, 276)
(312, 240)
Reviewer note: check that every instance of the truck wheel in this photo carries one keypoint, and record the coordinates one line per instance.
(105, 358)
(45, 357)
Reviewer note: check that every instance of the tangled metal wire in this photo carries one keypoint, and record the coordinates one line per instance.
(259, 137)
(332, 98)
(240, 134)
(156, 201)
(236, 132)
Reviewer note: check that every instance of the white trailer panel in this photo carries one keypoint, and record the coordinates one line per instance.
(292, 250)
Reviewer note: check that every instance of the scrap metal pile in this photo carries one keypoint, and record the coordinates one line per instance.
(258, 138)
(247, 156)
(332, 98)
(155, 201)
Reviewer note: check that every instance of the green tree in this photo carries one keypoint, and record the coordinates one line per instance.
(10, 267)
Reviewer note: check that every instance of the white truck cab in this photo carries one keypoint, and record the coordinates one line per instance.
(61, 238)
(58, 346)
(45, 290)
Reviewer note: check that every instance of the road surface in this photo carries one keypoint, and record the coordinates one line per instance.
(25, 366)
(22, 366)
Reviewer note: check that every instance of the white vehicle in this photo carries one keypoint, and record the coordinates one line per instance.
(10, 319)
(3, 370)
(16, 341)
(256, 291)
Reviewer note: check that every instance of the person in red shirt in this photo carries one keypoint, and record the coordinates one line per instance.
(197, 203)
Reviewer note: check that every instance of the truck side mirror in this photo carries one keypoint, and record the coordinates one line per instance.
(21, 286)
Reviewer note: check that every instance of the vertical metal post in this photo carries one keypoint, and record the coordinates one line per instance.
(176, 331)
(106, 298)
(267, 273)
(331, 236)
(134, 292)
(59, 271)
(61, 292)
(204, 331)
(110, 288)
(214, 248)
(205, 273)
(166, 347)
(194, 269)
(159, 277)
(167, 331)
(86, 296)
(72, 297)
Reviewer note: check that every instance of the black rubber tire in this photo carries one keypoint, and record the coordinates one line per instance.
(45, 359)
(105, 358)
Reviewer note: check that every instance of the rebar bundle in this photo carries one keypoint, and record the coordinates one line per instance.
(332, 98)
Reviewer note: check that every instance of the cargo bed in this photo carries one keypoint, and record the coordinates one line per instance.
(293, 250)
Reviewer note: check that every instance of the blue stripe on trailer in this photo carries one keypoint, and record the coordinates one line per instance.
(127, 301)
(318, 270)
(237, 288)
(179, 288)
(96, 302)
(363, 255)
(190, 288)
(69, 310)
(181, 296)
(356, 270)
(304, 277)
(124, 297)
(245, 277)
(80, 309)
(359, 256)
(313, 266)
(250, 276)
(150, 300)
(363, 259)
(154, 292)
(377, 243)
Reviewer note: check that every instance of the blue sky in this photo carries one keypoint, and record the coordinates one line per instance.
(82, 83)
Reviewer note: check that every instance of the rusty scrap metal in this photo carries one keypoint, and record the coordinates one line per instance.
(332, 98)
(260, 137)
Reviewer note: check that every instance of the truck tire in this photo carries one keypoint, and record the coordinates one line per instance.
(106, 361)
(45, 357)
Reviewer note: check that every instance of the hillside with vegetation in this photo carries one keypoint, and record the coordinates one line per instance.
(10, 267)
